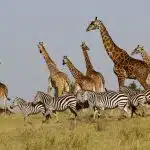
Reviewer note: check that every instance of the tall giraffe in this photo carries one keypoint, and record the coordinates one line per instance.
(4, 94)
(96, 76)
(82, 82)
(124, 65)
(59, 80)
(140, 50)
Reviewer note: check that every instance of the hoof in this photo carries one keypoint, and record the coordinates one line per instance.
(58, 121)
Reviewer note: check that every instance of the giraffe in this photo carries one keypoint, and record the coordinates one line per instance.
(146, 58)
(4, 94)
(96, 76)
(59, 80)
(82, 82)
(124, 65)
(140, 50)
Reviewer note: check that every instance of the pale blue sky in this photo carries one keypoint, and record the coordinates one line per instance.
(61, 26)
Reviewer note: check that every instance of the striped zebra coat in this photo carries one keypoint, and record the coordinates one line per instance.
(53, 105)
(137, 97)
(30, 108)
(106, 100)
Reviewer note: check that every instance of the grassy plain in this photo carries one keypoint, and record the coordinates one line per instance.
(105, 133)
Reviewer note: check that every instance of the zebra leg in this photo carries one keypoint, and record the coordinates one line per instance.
(25, 118)
(47, 116)
(122, 111)
(95, 113)
(55, 114)
(98, 114)
(73, 111)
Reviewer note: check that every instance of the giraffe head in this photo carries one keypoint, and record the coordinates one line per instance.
(65, 60)
(40, 46)
(84, 46)
(138, 50)
(96, 24)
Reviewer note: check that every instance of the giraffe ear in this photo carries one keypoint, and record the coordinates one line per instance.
(95, 18)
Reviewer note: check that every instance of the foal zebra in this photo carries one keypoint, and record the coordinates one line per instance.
(106, 100)
(58, 104)
(29, 108)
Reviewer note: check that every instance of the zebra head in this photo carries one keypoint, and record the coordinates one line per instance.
(16, 102)
(82, 95)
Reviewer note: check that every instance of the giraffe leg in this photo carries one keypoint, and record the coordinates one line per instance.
(143, 82)
(121, 74)
(66, 87)
(60, 90)
(5, 99)
(56, 92)
(121, 81)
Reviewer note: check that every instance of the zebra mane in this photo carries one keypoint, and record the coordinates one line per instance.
(19, 99)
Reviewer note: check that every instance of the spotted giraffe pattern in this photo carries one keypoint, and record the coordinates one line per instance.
(59, 80)
(140, 50)
(82, 82)
(96, 76)
(146, 58)
(124, 65)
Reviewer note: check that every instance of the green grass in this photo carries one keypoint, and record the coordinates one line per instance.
(105, 133)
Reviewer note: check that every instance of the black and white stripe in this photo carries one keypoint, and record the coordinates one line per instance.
(136, 97)
(29, 108)
(106, 100)
(147, 94)
(139, 99)
(130, 92)
(58, 104)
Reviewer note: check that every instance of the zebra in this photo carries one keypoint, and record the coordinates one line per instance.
(30, 108)
(130, 92)
(137, 97)
(59, 104)
(106, 100)
(138, 100)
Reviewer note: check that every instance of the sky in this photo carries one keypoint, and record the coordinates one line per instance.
(61, 25)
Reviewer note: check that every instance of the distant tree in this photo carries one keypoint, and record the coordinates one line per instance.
(133, 86)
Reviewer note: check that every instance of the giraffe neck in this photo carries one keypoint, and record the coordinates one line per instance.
(112, 49)
(89, 65)
(145, 56)
(53, 69)
(50, 63)
(74, 71)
